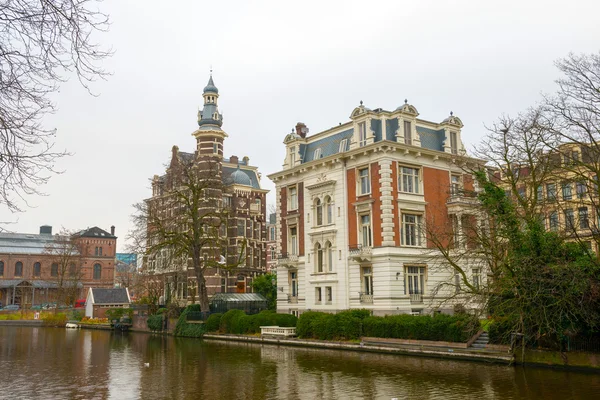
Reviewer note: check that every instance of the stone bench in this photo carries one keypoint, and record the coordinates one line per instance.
(277, 331)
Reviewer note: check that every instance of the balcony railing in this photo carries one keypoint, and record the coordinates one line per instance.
(360, 252)
(254, 208)
(287, 258)
(292, 299)
(416, 298)
(366, 298)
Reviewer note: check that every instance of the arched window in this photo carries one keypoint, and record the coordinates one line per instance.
(97, 271)
(19, 268)
(1, 268)
(319, 255)
(328, 210)
(54, 269)
(329, 256)
(37, 269)
(319, 212)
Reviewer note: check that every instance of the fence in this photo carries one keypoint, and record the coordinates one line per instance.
(587, 344)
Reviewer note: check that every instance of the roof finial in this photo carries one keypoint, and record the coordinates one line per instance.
(451, 113)
(405, 101)
(210, 69)
(361, 102)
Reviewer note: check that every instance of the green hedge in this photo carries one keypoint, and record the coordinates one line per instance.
(155, 322)
(213, 322)
(441, 327)
(189, 330)
(499, 330)
(345, 325)
(237, 322)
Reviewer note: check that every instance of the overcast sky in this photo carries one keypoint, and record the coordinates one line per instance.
(278, 62)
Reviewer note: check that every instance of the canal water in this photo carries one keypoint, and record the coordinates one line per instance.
(52, 363)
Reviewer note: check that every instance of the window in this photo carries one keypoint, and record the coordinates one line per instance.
(272, 253)
(456, 283)
(318, 295)
(364, 181)
(580, 189)
(319, 257)
(551, 191)
(97, 271)
(569, 219)
(18, 268)
(294, 241)
(411, 230)
(223, 285)
(1, 268)
(455, 185)
(319, 212)
(362, 134)
(226, 201)
(215, 147)
(317, 154)
(409, 180)
(367, 280)
(37, 269)
(241, 227)
(476, 278)
(566, 191)
(343, 145)
(415, 280)
(365, 230)
(329, 256)
(328, 295)
(293, 279)
(553, 221)
(329, 210)
(540, 193)
(272, 233)
(54, 270)
(407, 133)
(293, 198)
(453, 143)
(292, 156)
(584, 221)
(72, 269)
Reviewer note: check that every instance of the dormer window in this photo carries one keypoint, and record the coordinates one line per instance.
(318, 154)
(453, 142)
(343, 145)
(407, 132)
(216, 116)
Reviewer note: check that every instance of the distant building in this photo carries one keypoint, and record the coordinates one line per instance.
(244, 198)
(98, 301)
(29, 272)
(352, 207)
(126, 272)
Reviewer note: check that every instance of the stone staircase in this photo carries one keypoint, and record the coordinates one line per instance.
(481, 341)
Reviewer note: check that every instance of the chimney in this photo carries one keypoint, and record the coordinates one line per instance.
(112, 230)
(234, 160)
(301, 129)
(45, 230)
(246, 160)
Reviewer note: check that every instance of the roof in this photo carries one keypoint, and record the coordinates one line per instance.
(110, 296)
(329, 145)
(96, 232)
(210, 86)
(231, 176)
(233, 297)
(36, 283)
(127, 258)
(24, 243)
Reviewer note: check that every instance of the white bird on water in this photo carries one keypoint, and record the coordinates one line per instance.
(146, 364)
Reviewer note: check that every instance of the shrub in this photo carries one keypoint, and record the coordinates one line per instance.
(213, 322)
(59, 319)
(229, 321)
(304, 328)
(499, 330)
(118, 313)
(185, 329)
(441, 327)
(346, 325)
(155, 322)
(76, 316)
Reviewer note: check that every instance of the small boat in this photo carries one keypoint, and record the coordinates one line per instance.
(71, 325)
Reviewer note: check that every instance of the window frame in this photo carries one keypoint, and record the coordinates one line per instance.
(37, 269)
(405, 180)
(410, 273)
(19, 265)
(362, 134)
(416, 226)
(361, 229)
(293, 240)
(366, 280)
(408, 132)
(359, 180)
(97, 271)
(293, 198)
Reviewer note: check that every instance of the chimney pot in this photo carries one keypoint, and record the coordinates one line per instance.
(234, 160)
(112, 230)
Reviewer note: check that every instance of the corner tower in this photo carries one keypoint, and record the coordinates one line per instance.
(210, 136)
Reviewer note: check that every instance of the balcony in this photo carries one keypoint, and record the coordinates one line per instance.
(287, 259)
(360, 253)
(292, 299)
(365, 298)
(416, 298)
(254, 208)
(460, 200)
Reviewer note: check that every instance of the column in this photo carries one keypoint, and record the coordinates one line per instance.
(387, 205)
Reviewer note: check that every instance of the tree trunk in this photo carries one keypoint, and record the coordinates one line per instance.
(202, 291)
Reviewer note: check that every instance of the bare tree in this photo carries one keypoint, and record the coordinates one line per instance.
(41, 44)
(186, 226)
(65, 256)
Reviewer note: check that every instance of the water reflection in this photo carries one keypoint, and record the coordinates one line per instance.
(87, 364)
